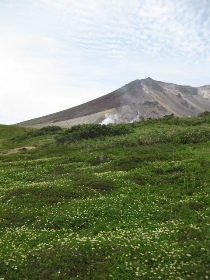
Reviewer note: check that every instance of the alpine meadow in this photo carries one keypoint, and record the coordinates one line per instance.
(126, 201)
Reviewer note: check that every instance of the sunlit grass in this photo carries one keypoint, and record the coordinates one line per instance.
(139, 212)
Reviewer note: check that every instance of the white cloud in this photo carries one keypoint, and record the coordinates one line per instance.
(123, 27)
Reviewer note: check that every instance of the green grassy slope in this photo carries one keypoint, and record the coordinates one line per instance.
(140, 211)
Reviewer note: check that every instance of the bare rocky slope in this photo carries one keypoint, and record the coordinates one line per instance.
(144, 98)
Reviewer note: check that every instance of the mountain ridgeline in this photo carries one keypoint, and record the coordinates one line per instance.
(140, 99)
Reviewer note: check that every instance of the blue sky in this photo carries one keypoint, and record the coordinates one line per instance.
(55, 54)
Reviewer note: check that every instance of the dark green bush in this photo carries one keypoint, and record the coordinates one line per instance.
(204, 114)
(46, 130)
(194, 136)
(90, 131)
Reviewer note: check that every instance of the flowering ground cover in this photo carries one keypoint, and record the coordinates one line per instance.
(133, 206)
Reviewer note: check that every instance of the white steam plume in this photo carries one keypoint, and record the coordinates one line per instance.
(110, 119)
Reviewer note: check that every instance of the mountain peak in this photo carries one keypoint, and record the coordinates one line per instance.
(148, 79)
(144, 98)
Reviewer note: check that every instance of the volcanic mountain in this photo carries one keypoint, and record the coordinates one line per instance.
(140, 99)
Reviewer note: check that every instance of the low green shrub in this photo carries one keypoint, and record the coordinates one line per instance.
(46, 130)
(204, 114)
(90, 131)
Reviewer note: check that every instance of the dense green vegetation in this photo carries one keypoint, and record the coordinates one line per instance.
(90, 131)
(128, 206)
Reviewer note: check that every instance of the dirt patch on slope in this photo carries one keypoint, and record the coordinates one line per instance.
(17, 150)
